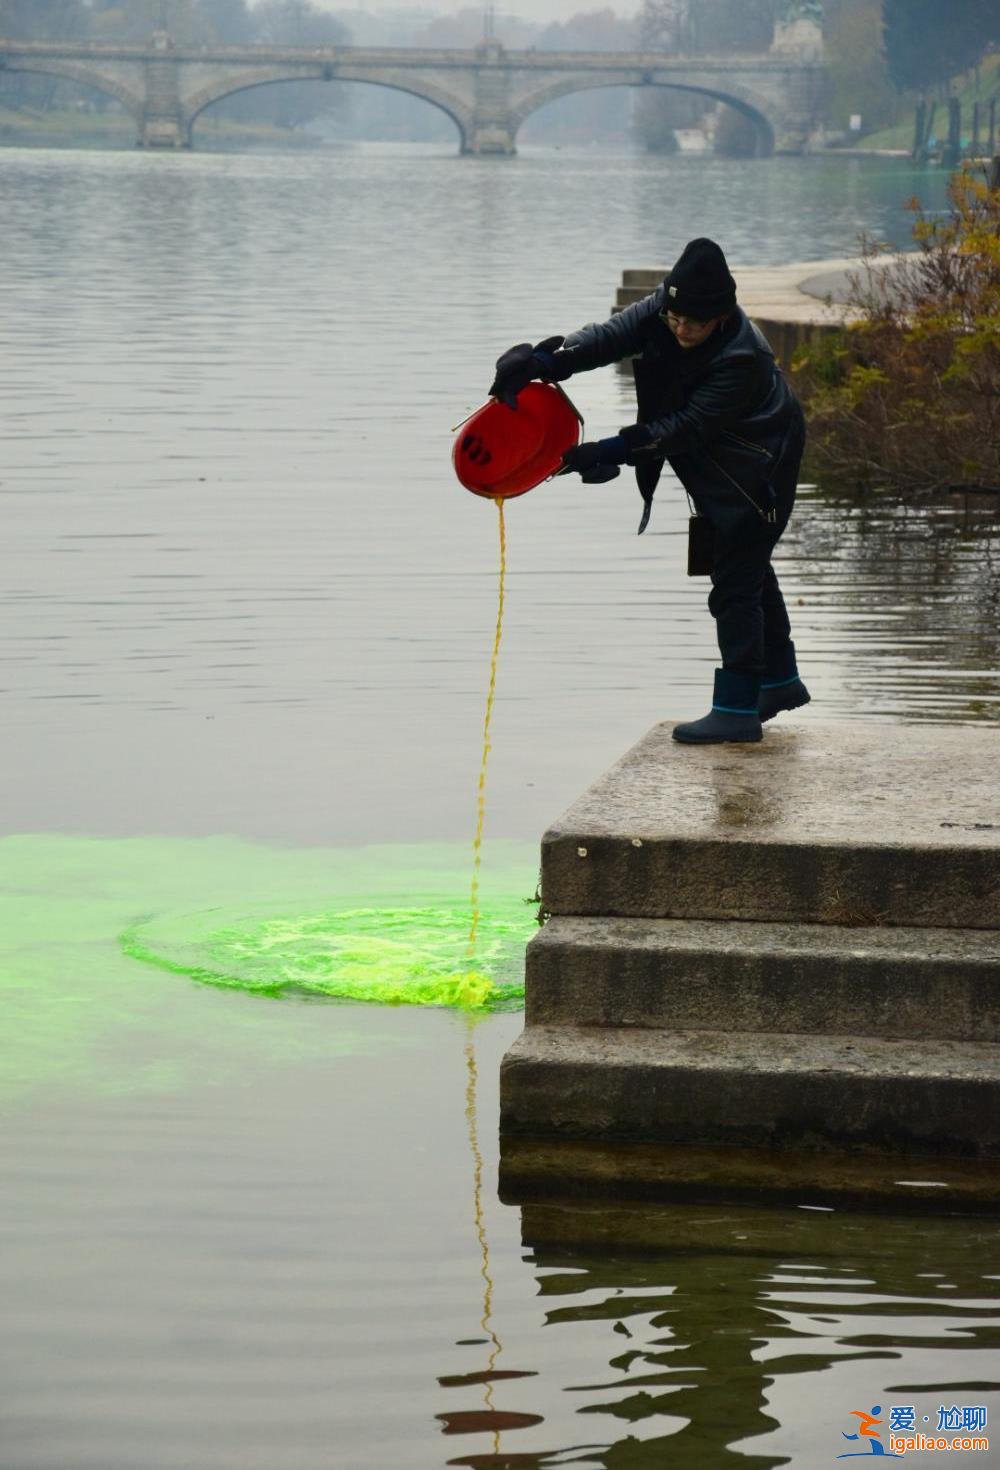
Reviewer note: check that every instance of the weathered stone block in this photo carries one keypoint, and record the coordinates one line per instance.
(719, 1089)
(695, 974)
(850, 825)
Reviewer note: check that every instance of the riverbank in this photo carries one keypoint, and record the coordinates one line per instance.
(68, 128)
(803, 305)
(978, 86)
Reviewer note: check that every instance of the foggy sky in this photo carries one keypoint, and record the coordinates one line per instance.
(537, 10)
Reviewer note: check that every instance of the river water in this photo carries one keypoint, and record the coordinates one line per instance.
(247, 618)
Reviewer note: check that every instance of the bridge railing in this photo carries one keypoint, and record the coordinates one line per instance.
(494, 55)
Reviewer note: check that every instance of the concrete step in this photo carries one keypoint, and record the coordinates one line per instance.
(755, 1090)
(853, 825)
(574, 1176)
(644, 279)
(721, 975)
(625, 296)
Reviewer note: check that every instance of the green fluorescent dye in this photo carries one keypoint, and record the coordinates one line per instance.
(388, 955)
(385, 923)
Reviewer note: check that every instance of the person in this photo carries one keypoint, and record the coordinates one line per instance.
(713, 403)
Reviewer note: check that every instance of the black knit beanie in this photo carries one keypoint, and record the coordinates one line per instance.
(700, 285)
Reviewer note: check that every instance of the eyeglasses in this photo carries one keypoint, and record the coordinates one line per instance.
(680, 323)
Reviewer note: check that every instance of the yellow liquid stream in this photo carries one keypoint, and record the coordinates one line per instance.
(486, 1320)
(472, 976)
(477, 845)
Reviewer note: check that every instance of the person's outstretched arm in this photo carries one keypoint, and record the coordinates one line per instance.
(601, 343)
(558, 358)
(725, 395)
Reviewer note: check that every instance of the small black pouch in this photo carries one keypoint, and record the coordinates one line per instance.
(701, 545)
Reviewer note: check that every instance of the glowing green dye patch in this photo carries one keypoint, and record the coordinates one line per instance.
(391, 956)
(81, 1017)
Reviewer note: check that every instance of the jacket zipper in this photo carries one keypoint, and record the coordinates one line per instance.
(769, 517)
(746, 443)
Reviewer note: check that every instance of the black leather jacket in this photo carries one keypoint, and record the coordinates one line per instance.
(721, 414)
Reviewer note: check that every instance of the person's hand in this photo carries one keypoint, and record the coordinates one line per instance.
(521, 365)
(634, 438)
(515, 369)
(600, 474)
(581, 458)
(613, 451)
(585, 460)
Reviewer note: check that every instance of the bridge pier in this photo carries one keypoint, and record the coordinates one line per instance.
(491, 137)
(163, 132)
(162, 123)
(492, 130)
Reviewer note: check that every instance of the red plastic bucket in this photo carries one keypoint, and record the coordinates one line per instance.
(500, 452)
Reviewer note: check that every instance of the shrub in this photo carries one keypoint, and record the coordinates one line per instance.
(906, 394)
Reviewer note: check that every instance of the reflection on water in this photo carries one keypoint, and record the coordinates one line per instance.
(693, 1337)
(488, 1419)
(899, 605)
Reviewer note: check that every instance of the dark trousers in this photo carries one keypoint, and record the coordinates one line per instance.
(751, 621)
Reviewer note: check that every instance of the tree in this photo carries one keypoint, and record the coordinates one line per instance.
(859, 81)
(590, 30)
(708, 27)
(663, 26)
(926, 42)
(700, 27)
(464, 29)
(907, 395)
(600, 115)
(42, 20)
(113, 20)
(297, 23)
(289, 104)
(721, 26)
(229, 21)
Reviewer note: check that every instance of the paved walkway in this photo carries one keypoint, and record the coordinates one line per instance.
(797, 292)
(804, 293)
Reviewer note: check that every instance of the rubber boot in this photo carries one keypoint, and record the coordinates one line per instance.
(781, 688)
(733, 715)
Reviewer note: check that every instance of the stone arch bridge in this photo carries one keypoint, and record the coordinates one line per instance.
(487, 92)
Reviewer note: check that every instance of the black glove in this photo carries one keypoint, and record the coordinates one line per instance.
(590, 472)
(583, 457)
(634, 438)
(522, 364)
(613, 451)
(585, 460)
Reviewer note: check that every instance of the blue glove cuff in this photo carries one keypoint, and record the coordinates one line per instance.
(612, 451)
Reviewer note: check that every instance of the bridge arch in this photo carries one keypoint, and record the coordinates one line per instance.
(229, 86)
(763, 128)
(84, 74)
